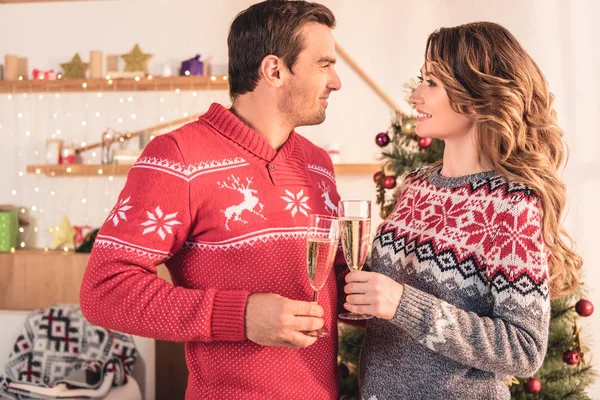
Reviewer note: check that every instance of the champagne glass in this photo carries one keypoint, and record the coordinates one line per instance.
(355, 221)
(322, 241)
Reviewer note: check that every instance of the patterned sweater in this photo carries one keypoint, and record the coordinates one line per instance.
(475, 308)
(227, 214)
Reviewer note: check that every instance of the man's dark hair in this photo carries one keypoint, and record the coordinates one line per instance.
(270, 27)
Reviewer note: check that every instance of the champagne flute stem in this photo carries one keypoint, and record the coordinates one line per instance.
(315, 296)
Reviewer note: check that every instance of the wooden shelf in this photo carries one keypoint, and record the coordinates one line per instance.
(79, 169)
(356, 169)
(43, 253)
(215, 82)
(116, 169)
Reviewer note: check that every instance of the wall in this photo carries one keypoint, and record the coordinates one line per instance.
(386, 37)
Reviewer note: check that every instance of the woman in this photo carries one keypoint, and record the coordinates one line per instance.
(465, 265)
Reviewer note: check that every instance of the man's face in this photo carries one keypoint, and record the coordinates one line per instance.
(307, 89)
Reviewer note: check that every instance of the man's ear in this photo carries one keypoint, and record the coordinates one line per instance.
(270, 69)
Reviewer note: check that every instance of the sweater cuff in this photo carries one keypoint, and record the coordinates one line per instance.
(228, 316)
(415, 311)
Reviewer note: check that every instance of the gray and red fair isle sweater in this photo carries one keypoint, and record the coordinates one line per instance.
(228, 215)
(476, 307)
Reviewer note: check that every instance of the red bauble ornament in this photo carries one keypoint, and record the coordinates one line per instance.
(424, 142)
(533, 385)
(377, 176)
(584, 307)
(382, 139)
(572, 357)
(389, 182)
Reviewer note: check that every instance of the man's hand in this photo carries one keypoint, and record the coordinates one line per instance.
(273, 320)
(372, 293)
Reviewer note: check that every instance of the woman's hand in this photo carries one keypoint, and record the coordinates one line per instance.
(372, 293)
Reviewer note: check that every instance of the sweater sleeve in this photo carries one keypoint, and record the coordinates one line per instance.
(513, 339)
(150, 222)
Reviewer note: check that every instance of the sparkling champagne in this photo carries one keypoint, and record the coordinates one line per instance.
(319, 256)
(355, 240)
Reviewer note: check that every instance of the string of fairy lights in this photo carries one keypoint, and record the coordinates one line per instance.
(28, 119)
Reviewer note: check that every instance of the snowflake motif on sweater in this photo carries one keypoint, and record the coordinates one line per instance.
(296, 202)
(118, 211)
(160, 223)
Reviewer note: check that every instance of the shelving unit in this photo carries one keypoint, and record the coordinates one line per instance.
(116, 169)
(215, 82)
(159, 83)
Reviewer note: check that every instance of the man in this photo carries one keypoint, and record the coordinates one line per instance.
(224, 203)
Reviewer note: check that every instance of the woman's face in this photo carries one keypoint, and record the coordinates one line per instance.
(436, 119)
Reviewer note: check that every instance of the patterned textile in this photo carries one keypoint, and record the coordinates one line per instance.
(58, 352)
(227, 214)
(476, 305)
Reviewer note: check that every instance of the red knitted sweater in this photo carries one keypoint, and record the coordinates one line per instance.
(227, 214)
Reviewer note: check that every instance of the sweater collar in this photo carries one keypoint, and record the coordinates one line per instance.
(438, 180)
(230, 126)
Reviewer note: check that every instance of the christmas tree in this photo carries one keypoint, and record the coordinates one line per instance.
(565, 374)
(350, 339)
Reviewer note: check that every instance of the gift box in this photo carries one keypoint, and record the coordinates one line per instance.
(9, 230)
(193, 66)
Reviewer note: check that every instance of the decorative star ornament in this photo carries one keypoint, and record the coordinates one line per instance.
(74, 69)
(136, 61)
(63, 235)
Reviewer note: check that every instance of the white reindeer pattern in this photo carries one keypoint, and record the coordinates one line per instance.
(248, 204)
(328, 204)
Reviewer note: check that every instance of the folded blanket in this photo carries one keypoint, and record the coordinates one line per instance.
(59, 354)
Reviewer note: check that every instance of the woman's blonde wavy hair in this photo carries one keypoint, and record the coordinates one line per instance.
(490, 77)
